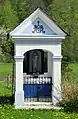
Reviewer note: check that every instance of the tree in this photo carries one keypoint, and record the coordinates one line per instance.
(9, 17)
(3, 35)
(8, 21)
(21, 7)
(34, 4)
(63, 12)
(8, 49)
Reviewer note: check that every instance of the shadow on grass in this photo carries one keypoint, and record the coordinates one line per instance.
(70, 106)
(6, 100)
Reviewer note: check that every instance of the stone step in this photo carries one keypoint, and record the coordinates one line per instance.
(39, 105)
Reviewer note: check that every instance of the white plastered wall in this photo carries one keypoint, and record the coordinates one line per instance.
(54, 63)
(22, 46)
(53, 49)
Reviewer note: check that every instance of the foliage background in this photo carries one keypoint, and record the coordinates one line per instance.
(64, 12)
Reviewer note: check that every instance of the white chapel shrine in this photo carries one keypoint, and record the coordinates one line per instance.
(37, 43)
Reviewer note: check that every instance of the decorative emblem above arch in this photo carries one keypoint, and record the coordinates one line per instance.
(38, 28)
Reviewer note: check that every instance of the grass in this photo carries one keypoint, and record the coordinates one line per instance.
(5, 69)
(74, 68)
(8, 111)
(5, 90)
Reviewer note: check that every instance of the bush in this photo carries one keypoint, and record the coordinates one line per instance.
(69, 90)
(69, 94)
(70, 106)
(6, 58)
(7, 48)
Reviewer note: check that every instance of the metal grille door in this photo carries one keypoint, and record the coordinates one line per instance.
(38, 89)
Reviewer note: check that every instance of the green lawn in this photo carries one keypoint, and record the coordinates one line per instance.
(8, 111)
(74, 74)
(5, 89)
(5, 69)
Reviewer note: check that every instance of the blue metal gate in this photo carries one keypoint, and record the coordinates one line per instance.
(38, 88)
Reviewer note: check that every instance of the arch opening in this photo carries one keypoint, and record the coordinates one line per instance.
(36, 62)
(37, 69)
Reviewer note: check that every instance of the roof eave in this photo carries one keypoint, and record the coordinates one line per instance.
(38, 37)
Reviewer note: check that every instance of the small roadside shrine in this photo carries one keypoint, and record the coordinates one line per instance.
(38, 57)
